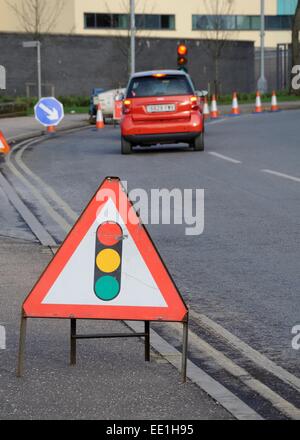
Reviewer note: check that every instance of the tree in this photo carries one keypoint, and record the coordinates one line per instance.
(37, 17)
(296, 42)
(217, 27)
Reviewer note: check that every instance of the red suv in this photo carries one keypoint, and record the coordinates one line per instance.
(161, 107)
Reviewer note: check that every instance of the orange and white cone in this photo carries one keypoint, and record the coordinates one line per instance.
(206, 111)
(274, 104)
(4, 147)
(214, 114)
(51, 129)
(258, 105)
(99, 118)
(235, 111)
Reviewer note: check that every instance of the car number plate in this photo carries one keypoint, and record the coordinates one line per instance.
(158, 108)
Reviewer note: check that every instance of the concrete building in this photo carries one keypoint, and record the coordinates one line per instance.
(190, 19)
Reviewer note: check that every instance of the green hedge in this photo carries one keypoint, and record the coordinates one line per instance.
(11, 109)
(68, 101)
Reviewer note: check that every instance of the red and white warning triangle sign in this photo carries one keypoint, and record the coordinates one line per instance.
(4, 147)
(107, 268)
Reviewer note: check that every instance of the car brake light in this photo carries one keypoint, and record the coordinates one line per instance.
(159, 75)
(126, 106)
(194, 103)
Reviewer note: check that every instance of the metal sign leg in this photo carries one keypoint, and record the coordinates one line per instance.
(22, 343)
(73, 342)
(184, 350)
(147, 341)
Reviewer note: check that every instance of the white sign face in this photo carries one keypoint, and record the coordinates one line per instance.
(76, 281)
(2, 78)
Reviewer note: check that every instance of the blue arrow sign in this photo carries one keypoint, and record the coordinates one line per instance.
(49, 111)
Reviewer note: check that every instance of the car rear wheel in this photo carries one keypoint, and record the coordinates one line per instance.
(126, 147)
(198, 143)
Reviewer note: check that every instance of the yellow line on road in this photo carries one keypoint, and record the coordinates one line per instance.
(244, 376)
(252, 354)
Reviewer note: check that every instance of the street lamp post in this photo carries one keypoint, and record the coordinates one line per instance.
(132, 36)
(37, 44)
(262, 83)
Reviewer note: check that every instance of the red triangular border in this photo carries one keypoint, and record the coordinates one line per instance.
(6, 149)
(176, 310)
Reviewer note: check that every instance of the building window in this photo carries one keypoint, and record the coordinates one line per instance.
(89, 20)
(255, 23)
(104, 21)
(241, 22)
(122, 21)
(286, 7)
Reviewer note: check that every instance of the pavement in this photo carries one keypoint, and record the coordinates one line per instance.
(26, 126)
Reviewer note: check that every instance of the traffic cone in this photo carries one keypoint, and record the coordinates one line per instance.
(206, 108)
(235, 105)
(274, 104)
(258, 106)
(99, 118)
(4, 147)
(214, 114)
(51, 129)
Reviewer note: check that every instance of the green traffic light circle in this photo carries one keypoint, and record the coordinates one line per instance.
(107, 288)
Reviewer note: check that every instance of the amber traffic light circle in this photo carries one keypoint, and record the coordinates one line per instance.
(182, 61)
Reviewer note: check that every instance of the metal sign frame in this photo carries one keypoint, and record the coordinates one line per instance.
(74, 336)
(183, 319)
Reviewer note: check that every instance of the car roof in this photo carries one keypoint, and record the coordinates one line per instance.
(154, 72)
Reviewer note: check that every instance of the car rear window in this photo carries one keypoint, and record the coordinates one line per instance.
(168, 85)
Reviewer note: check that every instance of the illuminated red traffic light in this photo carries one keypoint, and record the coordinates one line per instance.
(182, 50)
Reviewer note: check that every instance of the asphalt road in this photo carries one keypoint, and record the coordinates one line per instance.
(243, 271)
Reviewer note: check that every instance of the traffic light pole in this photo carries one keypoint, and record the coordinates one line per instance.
(132, 37)
(262, 84)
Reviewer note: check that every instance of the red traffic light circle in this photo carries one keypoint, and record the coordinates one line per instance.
(182, 50)
(109, 233)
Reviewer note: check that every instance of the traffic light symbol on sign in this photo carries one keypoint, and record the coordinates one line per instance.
(108, 261)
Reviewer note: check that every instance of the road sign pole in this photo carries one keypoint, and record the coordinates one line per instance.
(22, 343)
(185, 348)
(73, 342)
(147, 341)
(38, 47)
